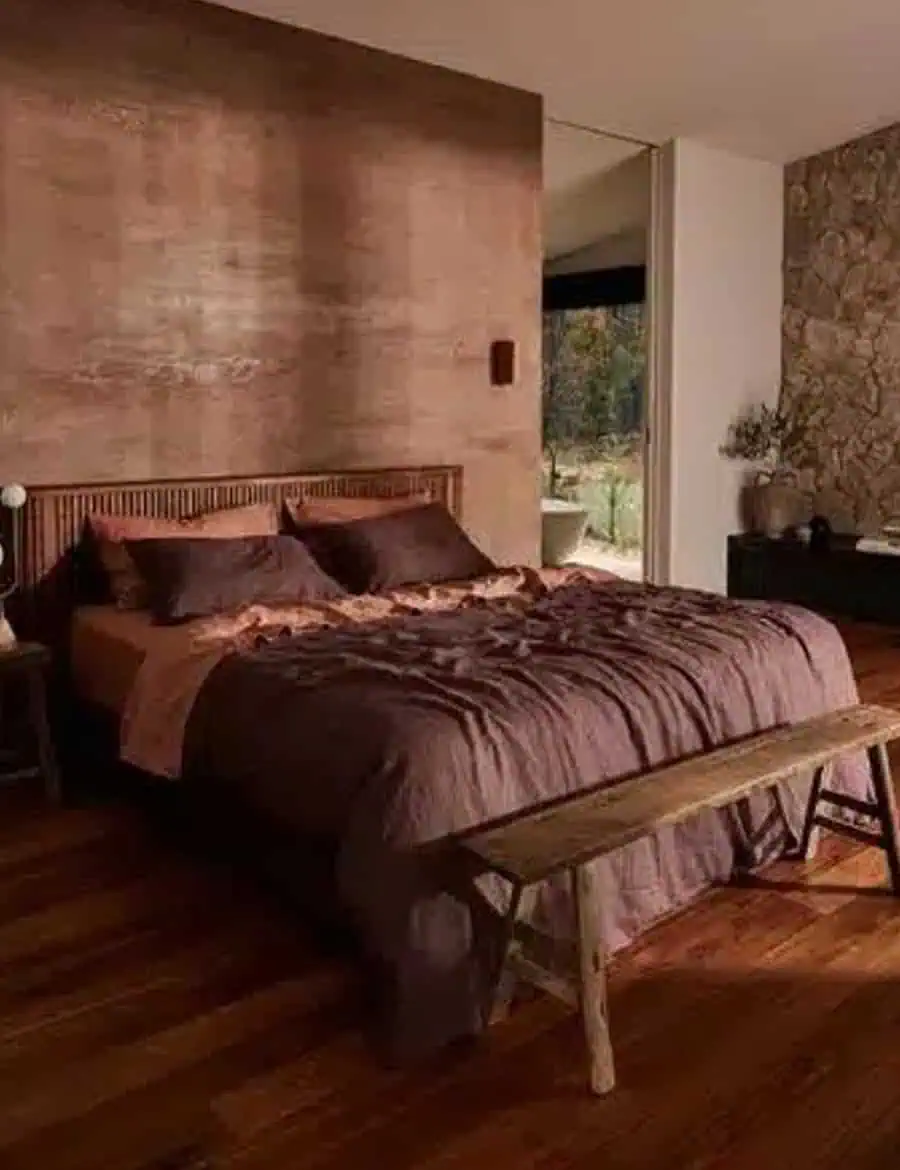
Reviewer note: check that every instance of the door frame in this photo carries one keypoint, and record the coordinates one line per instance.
(655, 282)
(658, 400)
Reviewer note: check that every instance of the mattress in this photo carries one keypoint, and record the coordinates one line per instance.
(108, 647)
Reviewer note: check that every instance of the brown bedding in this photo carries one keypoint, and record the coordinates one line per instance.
(401, 548)
(387, 734)
(186, 579)
(108, 646)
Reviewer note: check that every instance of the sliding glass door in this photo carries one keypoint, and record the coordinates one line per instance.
(594, 378)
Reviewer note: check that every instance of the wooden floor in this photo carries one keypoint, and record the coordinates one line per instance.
(160, 1013)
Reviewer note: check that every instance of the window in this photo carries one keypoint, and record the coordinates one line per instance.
(594, 363)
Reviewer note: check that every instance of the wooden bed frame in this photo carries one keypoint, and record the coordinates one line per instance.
(54, 518)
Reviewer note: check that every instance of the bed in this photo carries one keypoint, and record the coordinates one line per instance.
(368, 732)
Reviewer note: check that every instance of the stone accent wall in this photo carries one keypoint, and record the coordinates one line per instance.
(842, 327)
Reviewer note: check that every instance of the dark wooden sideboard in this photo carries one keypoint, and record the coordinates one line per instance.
(839, 582)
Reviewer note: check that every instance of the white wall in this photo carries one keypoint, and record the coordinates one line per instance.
(718, 281)
(608, 204)
(624, 250)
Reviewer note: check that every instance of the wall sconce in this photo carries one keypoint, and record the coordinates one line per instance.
(503, 363)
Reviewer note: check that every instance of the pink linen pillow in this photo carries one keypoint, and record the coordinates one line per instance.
(110, 532)
(343, 509)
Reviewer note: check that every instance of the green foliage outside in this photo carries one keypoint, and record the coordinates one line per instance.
(594, 362)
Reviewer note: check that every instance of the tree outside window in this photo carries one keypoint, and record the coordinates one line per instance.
(594, 364)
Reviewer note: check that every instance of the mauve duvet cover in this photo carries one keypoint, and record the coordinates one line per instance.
(386, 735)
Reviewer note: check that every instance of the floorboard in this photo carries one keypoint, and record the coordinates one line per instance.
(159, 1012)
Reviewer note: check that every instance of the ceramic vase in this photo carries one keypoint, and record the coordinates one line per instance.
(775, 507)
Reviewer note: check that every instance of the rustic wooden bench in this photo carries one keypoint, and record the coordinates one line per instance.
(567, 835)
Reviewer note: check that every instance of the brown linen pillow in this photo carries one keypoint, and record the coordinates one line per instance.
(408, 547)
(109, 533)
(343, 509)
(189, 578)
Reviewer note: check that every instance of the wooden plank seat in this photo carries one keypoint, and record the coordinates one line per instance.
(528, 848)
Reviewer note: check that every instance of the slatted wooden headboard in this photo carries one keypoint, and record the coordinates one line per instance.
(54, 517)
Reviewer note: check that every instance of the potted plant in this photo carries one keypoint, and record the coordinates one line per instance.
(759, 437)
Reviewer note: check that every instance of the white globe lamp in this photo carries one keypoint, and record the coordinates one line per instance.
(13, 496)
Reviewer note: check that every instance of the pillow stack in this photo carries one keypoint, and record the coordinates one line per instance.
(109, 536)
(220, 561)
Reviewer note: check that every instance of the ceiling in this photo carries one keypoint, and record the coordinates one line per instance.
(573, 156)
(774, 79)
(596, 196)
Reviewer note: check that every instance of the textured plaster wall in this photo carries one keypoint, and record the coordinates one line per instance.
(228, 247)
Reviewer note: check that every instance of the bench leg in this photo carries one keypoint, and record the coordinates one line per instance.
(503, 996)
(503, 982)
(809, 820)
(790, 838)
(522, 900)
(883, 809)
(886, 804)
(756, 838)
(592, 981)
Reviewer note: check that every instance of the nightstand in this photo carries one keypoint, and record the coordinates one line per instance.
(31, 754)
(838, 582)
